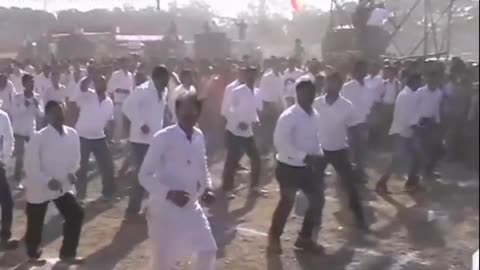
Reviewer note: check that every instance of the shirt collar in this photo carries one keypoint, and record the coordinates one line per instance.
(300, 110)
(182, 133)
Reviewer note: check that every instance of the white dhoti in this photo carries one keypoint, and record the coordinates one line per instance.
(180, 233)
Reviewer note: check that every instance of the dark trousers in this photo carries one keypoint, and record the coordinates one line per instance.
(291, 180)
(19, 153)
(73, 214)
(6, 203)
(358, 141)
(137, 192)
(236, 147)
(103, 156)
(268, 119)
(341, 162)
(429, 139)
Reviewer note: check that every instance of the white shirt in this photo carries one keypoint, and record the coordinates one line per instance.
(296, 136)
(119, 82)
(379, 17)
(17, 81)
(6, 96)
(289, 78)
(144, 107)
(243, 109)
(227, 97)
(176, 93)
(73, 87)
(58, 95)
(361, 98)
(175, 163)
(391, 91)
(404, 115)
(42, 83)
(429, 103)
(51, 155)
(271, 87)
(94, 115)
(6, 135)
(24, 118)
(334, 121)
(375, 86)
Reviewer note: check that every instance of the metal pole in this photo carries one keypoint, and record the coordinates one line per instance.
(449, 28)
(158, 5)
(425, 27)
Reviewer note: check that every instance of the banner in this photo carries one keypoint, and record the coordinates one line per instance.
(297, 5)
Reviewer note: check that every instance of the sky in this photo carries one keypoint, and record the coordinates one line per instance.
(222, 7)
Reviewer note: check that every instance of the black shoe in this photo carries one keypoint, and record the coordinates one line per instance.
(34, 257)
(9, 244)
(72, 260)
(308, 245)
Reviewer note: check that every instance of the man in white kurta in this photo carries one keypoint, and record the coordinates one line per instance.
(175, 175)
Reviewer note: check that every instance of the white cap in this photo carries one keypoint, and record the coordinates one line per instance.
(305, 78)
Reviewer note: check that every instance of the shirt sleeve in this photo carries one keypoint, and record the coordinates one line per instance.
(7, 135)
(33, 167)
(75, 155)
(112, 84)
(131, 106)
(207, 181)
(282, 139)
(149, 175)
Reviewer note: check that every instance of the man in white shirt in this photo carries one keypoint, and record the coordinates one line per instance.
(42, 80)
(145, 108)
(7, 91)
(120, 86)
(175, 175)
(186, 85)
(428, 119)
(405, 151)
(241, 117)
(6, 199)
(270, 92)
(27, 106)
(51, 160)
(357, 92)
(336, 114)
(296, 139)
(391, 89)
(16, 77)
(96, 110)
(72, 88)
(290, 76)
(374, 83)
(240, 79)
(55, 91)
(381, 17)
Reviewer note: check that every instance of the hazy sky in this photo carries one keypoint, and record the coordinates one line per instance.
(224, 7)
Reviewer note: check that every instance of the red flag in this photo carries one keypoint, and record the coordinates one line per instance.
(297, 5)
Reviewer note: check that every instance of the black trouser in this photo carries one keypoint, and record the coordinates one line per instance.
(137, 192)
(103, 156)
(341, 162)
(73, 214)
(19, 153)
(268, 120)
(431, 140)
(291, 180)
(236, 147)
(6, 203)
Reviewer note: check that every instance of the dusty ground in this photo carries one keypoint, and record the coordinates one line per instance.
(403, 237)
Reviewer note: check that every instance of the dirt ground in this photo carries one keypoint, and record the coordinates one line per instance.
(433, 230)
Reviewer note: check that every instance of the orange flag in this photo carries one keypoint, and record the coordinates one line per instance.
(297, 5)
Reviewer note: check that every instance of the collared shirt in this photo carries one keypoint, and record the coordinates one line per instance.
(334, 121)
(289, 78)
(429, 103)
(94, 115)
(227, 97)
(243, 109)
(144, 107)
(173, 162)
(6, 96)
(271, 87)
(42, 83)
(391, 90)
(404, 115)
(121, 83)
(51, 155)
(296, 136)
(361, 98)
(375, 86)
(6, 136)
(58, 95)
(24, 118)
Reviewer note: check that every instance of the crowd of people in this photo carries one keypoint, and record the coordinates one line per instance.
(176, 117)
